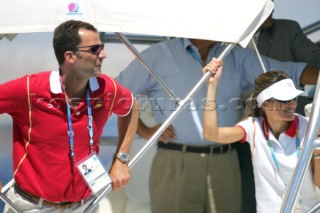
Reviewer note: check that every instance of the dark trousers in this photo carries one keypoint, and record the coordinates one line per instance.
(247, 178)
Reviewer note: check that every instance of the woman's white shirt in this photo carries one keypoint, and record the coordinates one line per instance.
(270, 184)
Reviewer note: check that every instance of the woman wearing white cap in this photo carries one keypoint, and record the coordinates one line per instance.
(274, 132)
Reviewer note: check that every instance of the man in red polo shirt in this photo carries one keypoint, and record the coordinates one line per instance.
(58, 118)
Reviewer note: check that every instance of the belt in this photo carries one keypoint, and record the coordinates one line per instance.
(36, 199)
(197, 149)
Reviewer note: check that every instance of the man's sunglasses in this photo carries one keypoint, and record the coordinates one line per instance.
(94, 49)
(286, 102)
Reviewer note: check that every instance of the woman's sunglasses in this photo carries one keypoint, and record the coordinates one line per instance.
(286, 102)
(94, 49)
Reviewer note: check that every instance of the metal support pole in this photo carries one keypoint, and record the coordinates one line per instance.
(259, 56)
(305, 156)
(182, 104)
(7, 186)
(315, 209)
(8, 202)
(136, 53)
(5, 199)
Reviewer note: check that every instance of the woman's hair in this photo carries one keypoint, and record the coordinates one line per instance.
(262, 82)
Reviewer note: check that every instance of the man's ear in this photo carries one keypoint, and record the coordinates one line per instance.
(70, 57)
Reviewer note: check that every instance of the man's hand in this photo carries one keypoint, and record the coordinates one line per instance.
(119, 174)
(147, 132)
(167, 135)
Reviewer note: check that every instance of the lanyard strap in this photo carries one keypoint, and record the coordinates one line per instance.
(90, 128)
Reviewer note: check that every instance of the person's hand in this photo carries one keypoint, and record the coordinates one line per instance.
(215, 67)
(0, 185)
(147, 132)
(119, 174)
(167, 135)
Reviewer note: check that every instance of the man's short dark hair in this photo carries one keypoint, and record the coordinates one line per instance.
(66, 37)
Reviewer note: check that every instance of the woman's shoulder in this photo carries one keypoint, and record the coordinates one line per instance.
(302, 118)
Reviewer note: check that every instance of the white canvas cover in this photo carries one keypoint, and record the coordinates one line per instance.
(221, 20)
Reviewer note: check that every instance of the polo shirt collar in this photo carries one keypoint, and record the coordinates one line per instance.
(291, 131)
(55, 83)
(186, 43)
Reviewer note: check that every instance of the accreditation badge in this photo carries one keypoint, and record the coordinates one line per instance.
(94, 173)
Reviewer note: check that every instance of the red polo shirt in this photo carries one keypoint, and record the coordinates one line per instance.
(41, 151)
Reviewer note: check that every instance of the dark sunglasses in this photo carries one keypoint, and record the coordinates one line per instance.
(286, 102)
(94, 49)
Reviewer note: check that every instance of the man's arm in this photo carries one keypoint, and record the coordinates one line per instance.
(127, 127)
(309, 75)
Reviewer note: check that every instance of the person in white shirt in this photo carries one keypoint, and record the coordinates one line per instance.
(275, 134)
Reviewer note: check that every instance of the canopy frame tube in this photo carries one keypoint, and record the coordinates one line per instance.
(314, 209)
(5, 199)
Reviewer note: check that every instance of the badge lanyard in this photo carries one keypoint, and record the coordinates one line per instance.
(298, 148)
(90, 128)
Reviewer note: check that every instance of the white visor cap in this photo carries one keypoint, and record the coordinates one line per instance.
(283, 90)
